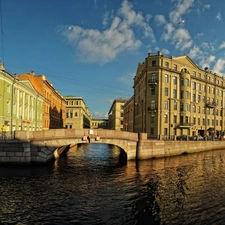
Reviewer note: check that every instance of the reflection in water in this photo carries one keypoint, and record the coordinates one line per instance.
(91, 186)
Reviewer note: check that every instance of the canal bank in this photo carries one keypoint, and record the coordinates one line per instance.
(21, 152)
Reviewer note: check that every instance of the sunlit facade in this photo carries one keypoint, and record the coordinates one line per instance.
(173, 96)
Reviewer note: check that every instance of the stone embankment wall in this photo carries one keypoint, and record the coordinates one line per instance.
(14, 152)
(26, 151)
(148, 149)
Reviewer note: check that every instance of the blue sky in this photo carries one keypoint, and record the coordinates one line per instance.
(91, 48)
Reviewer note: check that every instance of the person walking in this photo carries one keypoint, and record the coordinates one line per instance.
(3, 132)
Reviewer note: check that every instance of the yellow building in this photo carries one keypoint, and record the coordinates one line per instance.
(173, 96)
(116, 114)
(77, 113)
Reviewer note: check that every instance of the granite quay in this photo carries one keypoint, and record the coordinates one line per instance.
(30, 147)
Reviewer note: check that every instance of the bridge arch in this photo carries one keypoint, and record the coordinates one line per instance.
(44, 143)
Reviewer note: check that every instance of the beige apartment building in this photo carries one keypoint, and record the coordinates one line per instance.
(173, 96)
(116, 114)
(77, 113)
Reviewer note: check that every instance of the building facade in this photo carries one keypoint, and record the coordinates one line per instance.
(54, 106)
(128, 119)
(116, 114)
(99, 123)
(20, 104)
(77, 113)
(173, 96)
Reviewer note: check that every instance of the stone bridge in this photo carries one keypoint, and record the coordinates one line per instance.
(48, 144)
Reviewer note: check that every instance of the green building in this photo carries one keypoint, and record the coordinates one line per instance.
(21, 107)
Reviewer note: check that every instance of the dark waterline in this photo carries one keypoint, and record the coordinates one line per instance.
(92, 187)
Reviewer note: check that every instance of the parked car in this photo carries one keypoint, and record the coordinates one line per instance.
(197, 138)
(183, 137)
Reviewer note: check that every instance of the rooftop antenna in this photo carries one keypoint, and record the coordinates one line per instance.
(2, 34)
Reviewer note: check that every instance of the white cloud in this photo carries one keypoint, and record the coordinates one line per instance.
(219, 66)
(205, 62)
(148, 17)
(219, 16)
(181, 8)
(167, 34)
(195, 52)
(160, 19)
(165, 51)
(182, 39)
(103, 46)
(222, 45)
(206, 7)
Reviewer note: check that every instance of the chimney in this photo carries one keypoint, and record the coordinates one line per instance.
(159, 53)
(32, 73)
(2, 66)
(149, 54)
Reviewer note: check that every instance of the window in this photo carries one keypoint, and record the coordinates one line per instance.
(165, 118)
(187, 94)
(194, 73)
(187, 82)
(166, 78)
(166, 92)
(153, 90)
(199, 109)
(194, 108)
(193, 97)
(193, 85)
(203, 88)
(153, 63)
(153, 77)
(175, 119)
(198, 121)
(199, 75)
(187, 107)
(174, 93)
(175, 67)
(166, 64)
(153, 104)
(165, 104)
(8, 106)
(152, 118)
(175, 105)
(174, 80)
(182, 82)
(199, 87)
(208, 89)
(194, 120)
(181, 107)
(182, 94)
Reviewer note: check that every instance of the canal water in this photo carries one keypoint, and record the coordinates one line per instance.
(92, 187)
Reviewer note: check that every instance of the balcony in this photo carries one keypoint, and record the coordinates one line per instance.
(152, 81)
(152, 109)
(210, 104)
(185, 125)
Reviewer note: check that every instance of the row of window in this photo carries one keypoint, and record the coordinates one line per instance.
(184, 82)
(185, 120)
(184, 70)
